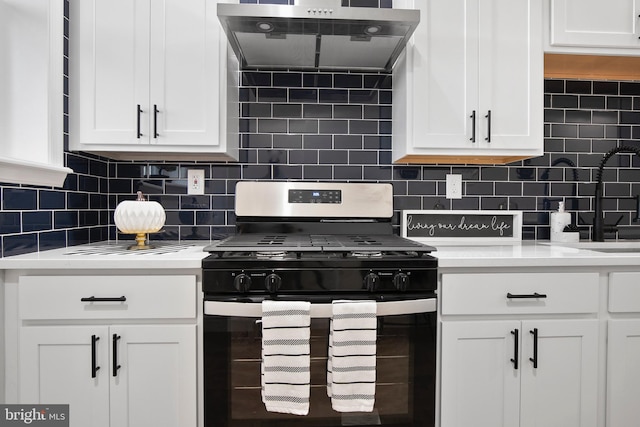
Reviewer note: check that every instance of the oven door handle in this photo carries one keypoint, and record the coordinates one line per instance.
(321, 311)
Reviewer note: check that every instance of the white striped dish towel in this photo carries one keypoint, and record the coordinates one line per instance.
(285, 356)
(351, 365)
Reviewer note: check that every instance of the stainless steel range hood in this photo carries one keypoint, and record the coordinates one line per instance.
(317, 34)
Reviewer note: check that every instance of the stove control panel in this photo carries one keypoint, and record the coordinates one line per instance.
(315, 196)
(274, 281)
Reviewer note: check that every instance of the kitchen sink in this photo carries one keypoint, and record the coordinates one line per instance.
(613, 246)
(616, 250)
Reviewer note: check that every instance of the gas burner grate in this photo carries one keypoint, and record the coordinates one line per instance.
(365, 240)
(272, 241)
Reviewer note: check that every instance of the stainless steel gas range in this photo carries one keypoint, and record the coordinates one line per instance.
(318, 243)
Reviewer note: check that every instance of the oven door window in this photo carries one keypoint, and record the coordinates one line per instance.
(405, 375)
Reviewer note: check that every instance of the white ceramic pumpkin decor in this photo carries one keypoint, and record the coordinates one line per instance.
(139, 217)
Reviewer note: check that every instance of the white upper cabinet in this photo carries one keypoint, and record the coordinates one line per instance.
(593, 26)
(470, 87)
(148, 80)
(31, 92)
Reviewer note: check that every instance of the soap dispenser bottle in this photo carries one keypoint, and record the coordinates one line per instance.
(559, 220)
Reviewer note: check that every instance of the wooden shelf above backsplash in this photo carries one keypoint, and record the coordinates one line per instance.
(591, 67)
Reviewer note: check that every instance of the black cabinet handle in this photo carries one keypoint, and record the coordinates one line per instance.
(138, 121)
(488, 116)
(155, 121)
(534, 359)
(515, 333)
(114, 344)
(525, 296)
(473, 126)
(94, 366)
(100, 299)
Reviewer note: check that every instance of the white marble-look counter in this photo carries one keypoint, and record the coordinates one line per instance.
(189, 255)
(112, 255)
(539, 254)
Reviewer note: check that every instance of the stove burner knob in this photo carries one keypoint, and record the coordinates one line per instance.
(242, 282)
(272, 282)
(371, 281)
(401, 281)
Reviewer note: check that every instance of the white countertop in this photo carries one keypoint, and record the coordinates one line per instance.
(537, 254)
(113, 255)
(189, 255)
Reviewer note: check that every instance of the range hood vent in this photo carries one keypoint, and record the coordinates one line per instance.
(317, 34)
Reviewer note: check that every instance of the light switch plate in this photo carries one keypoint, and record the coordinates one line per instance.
(195, 181)
(454, 186)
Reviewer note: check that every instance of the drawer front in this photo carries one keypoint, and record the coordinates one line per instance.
(107, 297)
(488, 293)
(624, 292)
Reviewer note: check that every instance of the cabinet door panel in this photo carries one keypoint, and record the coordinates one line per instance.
(185, 77)
(479, 386)
(156, 382)
(594, 23)
(56, 367)
(562, 390)
(445, 74)
(109, 71)
(623, 387)
(511, 62)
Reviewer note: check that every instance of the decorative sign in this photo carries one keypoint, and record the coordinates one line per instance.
(482, 226)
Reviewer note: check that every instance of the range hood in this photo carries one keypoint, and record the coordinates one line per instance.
(317, 34)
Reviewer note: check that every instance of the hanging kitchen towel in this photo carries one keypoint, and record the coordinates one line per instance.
(285, 356)
(351, 365)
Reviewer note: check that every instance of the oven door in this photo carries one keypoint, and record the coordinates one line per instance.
(405, 377)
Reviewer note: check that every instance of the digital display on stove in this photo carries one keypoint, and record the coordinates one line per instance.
(315, 196)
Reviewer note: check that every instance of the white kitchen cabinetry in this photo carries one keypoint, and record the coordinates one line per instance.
(525, 360)
(469, 88)
(623, 351)
(593, 27)
(149, 80)
(128, 361)
(31, 92)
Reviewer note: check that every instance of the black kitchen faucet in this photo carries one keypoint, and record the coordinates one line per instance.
(599, 227)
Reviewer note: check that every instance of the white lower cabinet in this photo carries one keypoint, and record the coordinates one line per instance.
(119, 376)
(519, 366)
(489, 378)
(55, 368)
(479, 385)
(114, 359)
(623, 385)
(623, 350)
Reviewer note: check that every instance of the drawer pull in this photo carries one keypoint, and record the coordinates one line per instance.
(94, 365)
(107, 299)
(515, 348)
(525, 296)
(534, 359)
(115, 339)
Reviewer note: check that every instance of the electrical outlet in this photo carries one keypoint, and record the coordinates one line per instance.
(195, 181)
(454, 187)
